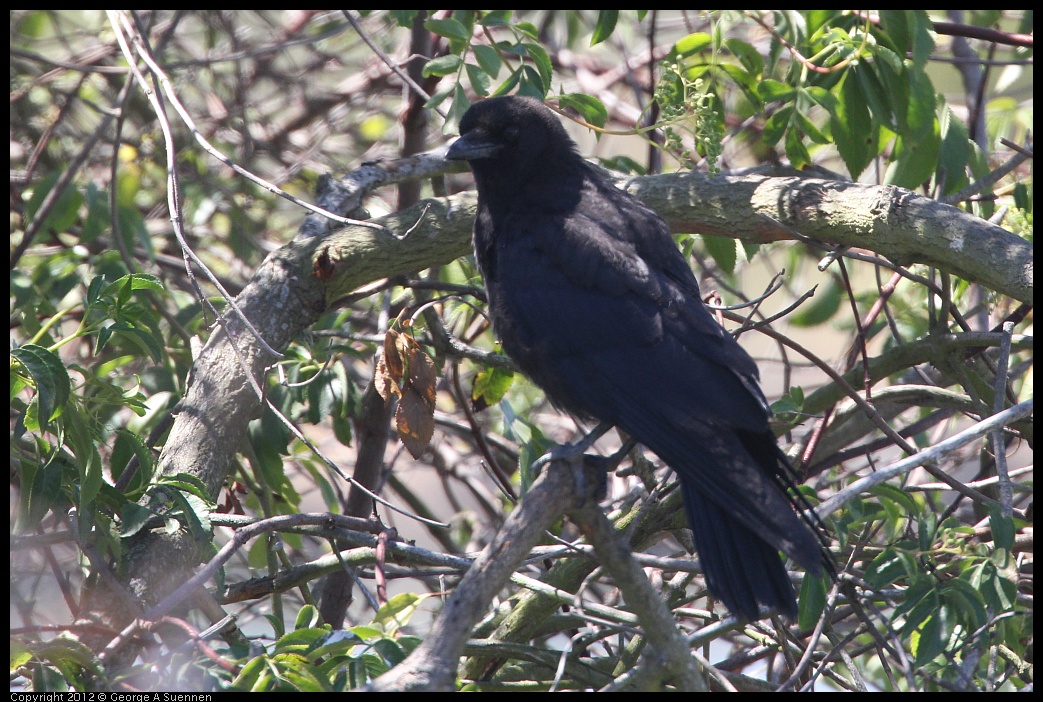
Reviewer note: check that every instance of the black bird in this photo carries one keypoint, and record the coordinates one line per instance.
(592, 299)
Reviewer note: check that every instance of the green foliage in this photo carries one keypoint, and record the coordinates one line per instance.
(606, 25)
(490, 385)
(105, 322)
(528, 64)
(316, 658)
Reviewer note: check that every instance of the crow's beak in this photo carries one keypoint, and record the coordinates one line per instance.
(472, 146)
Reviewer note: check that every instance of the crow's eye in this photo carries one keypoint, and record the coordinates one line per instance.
(511, 132)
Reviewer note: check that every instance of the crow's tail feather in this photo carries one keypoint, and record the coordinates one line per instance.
(741, 569)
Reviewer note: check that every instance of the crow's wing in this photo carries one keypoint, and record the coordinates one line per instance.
(601, 310)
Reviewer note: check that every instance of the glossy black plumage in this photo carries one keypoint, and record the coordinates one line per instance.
(592, 299)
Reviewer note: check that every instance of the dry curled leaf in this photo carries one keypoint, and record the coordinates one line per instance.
(415, 420)
(386, 385)
(405, 371)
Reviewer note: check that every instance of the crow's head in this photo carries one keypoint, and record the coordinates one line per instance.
(512, 138)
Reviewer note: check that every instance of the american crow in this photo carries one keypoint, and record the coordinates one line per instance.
(591, 297)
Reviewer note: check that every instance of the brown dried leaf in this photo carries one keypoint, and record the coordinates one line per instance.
(384, 383)
(415, 419)
(394, 358)
(422, 375)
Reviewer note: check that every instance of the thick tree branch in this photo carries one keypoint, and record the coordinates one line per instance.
(301, 280)
(432, 666)
(903, 226)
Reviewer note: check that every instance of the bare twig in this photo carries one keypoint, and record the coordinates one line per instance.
(998, 444)
(432, 666)
(387, 59)
(933, 453)
(658, 624)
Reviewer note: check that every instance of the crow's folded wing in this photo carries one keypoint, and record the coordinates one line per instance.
(608, 336)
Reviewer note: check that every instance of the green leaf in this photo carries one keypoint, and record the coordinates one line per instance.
(606, 24)
(67, 655)
(623, 164)
(97, 221)
(439, 97)
(297, 671)
(775, 127)
(748, 56)
(127, 284)
(874, 95)
(853, 130)
(692, 44)
(748, 83)
(1022, 198)
(188, 483)
(965, 601)
(442, 66)
(914, 162)
(921, 602)
(531, 83)
(889, 567)
(448, 28)
(143, 339)
(65, 211)
(820, 96)
(928, 642)
(540, 57)
(456, 111)
(817, 19)
(403, 18)
(508, 85)
(128, 185)
(920, 26)
(496, 18)
(307, 617)
(134, 281)
(50, 378)
(491, 384)
(590, 108)
(796, 152)
(891, 71)
(95, 289)
(808, 128)
(723, 250)
(34, 24)
(488, 59)
(813, 591)
(44, 492)
(479, 79)
(533, 442)
(128, 444)
(133, 230)
(1002, 528)
(825, 304)
(790, 403)
(954, 154)
(528, 29)
(921, 120)
(390, 651)
(998, 591)
(133, 518)
(196, 513)
(250, 674)
(890, 492)
(772, 91)
(895, 24)
(398, 610)
(83, 442)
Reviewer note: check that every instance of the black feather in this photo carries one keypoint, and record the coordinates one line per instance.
(592, 299)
